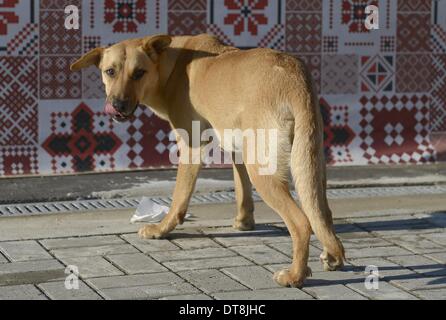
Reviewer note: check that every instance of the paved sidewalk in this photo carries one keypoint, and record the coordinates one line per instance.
(207, 259)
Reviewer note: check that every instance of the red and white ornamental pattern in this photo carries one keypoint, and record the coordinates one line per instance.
(382, 92)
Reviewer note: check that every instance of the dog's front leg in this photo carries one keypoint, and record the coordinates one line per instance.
(184, 187)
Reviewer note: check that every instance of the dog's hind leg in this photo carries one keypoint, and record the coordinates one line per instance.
(244, 220)
(274, 190)
(185, 183)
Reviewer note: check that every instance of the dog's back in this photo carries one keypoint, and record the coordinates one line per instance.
(224, 79)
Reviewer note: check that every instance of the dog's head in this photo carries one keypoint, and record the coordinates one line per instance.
(130, 71)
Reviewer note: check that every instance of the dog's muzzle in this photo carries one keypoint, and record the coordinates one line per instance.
(116, 111)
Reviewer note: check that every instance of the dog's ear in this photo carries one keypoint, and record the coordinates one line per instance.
(93, 57)
(155, 45)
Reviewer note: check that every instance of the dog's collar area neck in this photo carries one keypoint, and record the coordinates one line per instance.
(168, 60)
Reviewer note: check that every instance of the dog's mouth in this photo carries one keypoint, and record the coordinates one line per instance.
(116, 115)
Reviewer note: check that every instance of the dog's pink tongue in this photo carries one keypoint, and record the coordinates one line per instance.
(110, 110)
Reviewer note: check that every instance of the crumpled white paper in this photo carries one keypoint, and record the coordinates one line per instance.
(151, 212)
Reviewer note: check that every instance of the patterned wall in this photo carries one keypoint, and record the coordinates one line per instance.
(382, 92)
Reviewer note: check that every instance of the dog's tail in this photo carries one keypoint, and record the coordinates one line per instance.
(309, 170)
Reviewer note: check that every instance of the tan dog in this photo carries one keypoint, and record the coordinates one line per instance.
(197, 78)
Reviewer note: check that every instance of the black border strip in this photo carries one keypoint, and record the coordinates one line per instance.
(33, 18)
(279, 11)
(211, 12)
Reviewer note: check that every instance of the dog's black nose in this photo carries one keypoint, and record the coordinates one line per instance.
(120, 105)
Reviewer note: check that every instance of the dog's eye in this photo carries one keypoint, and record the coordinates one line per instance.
(138, 74)
(110, 72)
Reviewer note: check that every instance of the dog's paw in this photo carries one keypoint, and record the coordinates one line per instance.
(150, 231)
(331, 263)
(286, 279)
(246, 225)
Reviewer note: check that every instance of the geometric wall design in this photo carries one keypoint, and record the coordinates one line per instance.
(382, 92)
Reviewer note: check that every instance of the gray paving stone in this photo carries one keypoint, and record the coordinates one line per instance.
(147, 246)
(438, 256)
(212, 263)
(254, 277)
(134, 263)
(421, 283)
(389, 226)
(3, 259)
(29, 272)
(230, 237)
(437, 294)
(260, 230)
(283, 247)
(343, 227)
(286, 249)
(192, 254)
(354, 235)
(376, 252)
(439, 238)
(95, 241)
(211, 281)
(57, 291)
(94, 251)
(188, 297)
(416, 243)
(386, 269)
(21, 292)
(237, 240)
(420, 264)
(346, 230)
(193, 240)
(262, 254)
(315, 266)
(92, 267)
(24, 251)
(117, 282)
(421, 231)
(265, 294)
(316, 243)
(334, 278)
(334, 292)
(149, 291)
(360, 243)
(323, 278)
(274, 238)
(385, 291)
(388, 221)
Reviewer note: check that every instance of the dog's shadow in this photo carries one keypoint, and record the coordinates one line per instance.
(438, 275)
(261, 230)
